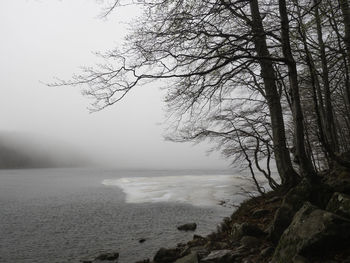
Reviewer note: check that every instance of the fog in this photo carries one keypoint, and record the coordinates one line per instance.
(42, 40)
(21, 151)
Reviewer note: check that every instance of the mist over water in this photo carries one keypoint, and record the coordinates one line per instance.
(64, 215)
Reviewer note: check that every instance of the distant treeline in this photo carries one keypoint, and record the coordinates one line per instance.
(23, 151)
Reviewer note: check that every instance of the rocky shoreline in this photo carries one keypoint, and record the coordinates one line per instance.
(308, 224)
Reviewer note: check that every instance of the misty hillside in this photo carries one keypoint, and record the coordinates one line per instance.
(31, 151)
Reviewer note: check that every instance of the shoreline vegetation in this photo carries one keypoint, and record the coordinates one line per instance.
(307, 224)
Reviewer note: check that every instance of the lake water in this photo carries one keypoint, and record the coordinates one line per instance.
(64, 215)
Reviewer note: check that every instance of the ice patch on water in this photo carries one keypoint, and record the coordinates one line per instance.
(206, 190)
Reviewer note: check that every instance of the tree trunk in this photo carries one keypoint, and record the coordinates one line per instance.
(344, 5)
(316, 90)
(331, 134)
(306, 166)
(283, 161)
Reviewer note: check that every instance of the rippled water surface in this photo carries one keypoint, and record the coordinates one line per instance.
(64, 215)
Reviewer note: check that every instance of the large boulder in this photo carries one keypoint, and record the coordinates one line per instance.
(291, 203)
(339, 204)
(312, 231)
(190, 258)
(280, 222)
(201, 251)
(188, 227)
(219, 256)
(167, 255)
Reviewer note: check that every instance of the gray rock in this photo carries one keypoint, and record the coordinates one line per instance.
(198, 237)
(291, 203)
(142, 240)
(339, 204)
(165, 255)
(219, 256)
(191, 258)
(201, 251)
(312, 231)
(188, 227)
(108, 256)
(280, 222)
(240, 251)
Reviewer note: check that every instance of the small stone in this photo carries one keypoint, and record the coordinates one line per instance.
(180, 245)
(197, 241)
(143, 261)
(108, 256)
(141, 240)
(187, 227)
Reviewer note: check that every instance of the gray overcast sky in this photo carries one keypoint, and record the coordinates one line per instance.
(44, 39)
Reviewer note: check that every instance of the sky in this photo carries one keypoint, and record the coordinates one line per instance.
(41, 40)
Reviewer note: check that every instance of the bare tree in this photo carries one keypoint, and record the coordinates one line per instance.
(258, 78)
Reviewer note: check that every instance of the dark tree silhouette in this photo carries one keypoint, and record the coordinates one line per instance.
(259, 78)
